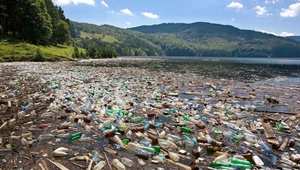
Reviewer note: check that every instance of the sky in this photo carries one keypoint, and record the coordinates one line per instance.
(279, 17)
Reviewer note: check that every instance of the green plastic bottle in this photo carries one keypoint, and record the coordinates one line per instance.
(239, 161)
(280, 127)
(186, 117)
(125, 141)
(241, 166)
(137, 119)
(75, 136)
(187, 130)
(220, 164)
(156, 148)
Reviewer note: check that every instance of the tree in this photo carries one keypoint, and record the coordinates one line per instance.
(62, 34)
(39, 56)
(35, 21)
(76, 53)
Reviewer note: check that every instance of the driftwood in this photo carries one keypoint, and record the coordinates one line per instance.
(273, 111)
(268, 130)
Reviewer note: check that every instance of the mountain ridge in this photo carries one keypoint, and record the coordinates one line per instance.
(194, 39)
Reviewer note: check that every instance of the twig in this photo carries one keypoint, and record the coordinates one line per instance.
(60, 166)
(90, 165)
(108, 161)
(81, 166)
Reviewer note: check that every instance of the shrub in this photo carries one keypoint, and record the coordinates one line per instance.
(39, 56)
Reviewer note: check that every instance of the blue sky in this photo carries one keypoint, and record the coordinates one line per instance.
(280, 17)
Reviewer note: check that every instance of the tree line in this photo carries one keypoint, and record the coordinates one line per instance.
(40, 22)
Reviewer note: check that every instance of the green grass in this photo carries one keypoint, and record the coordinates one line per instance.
(106, 38)
(23, 51)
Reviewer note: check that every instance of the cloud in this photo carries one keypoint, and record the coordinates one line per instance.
(126, 11)
(285, 34)
(271, 1)
(150, 15)
(261, 11)
(293, 11)
(104, 4)
(267, 32)
(67, 2)
(235, 5)
(128, 23)
(232, 19)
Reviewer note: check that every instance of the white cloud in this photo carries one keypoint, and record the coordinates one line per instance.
(128, 23)
(285, 34)
(293, 10)
(232, 19)
(126, 12)
(104, 4)
(67, 2)
(261, 11)
(235, 5)
(266, 32)
(271, 1)
(150, 15)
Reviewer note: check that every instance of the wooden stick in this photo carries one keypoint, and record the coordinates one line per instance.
(90, 165)
(81, 166)
(180, 164)
(108, 161)
(58, 165)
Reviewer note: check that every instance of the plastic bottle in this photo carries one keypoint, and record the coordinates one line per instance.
(125, 141)
(117, 147)
(145, 143)
(95, 157)
(241, 166)
(187, 130)
(156, 148)
(137, 119)
(75, 136)
(100, 165)
(127, 162)
(118, 165)
(220, 164)
(280, 127)
(257, 161)
(273, 160)
(221, 158)
(265, 147)
(63, 135)
(174, 156)
(239, 161)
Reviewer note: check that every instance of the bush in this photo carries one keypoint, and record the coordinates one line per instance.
(39, 56)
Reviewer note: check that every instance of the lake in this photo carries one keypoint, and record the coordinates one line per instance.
(244, 69)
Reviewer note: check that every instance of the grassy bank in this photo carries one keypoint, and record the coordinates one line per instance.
(13, 50)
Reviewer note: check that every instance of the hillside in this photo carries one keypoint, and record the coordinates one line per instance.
(196, 39)
(23, 51)
(296, 38)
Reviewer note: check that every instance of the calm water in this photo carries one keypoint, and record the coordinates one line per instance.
(276, 61)
(246, 69)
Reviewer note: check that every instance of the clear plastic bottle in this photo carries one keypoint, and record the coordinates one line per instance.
(118, 165)
(127, 162)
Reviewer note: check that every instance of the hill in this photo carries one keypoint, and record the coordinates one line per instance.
(296, 38)
(23, 51)
(179, 39)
